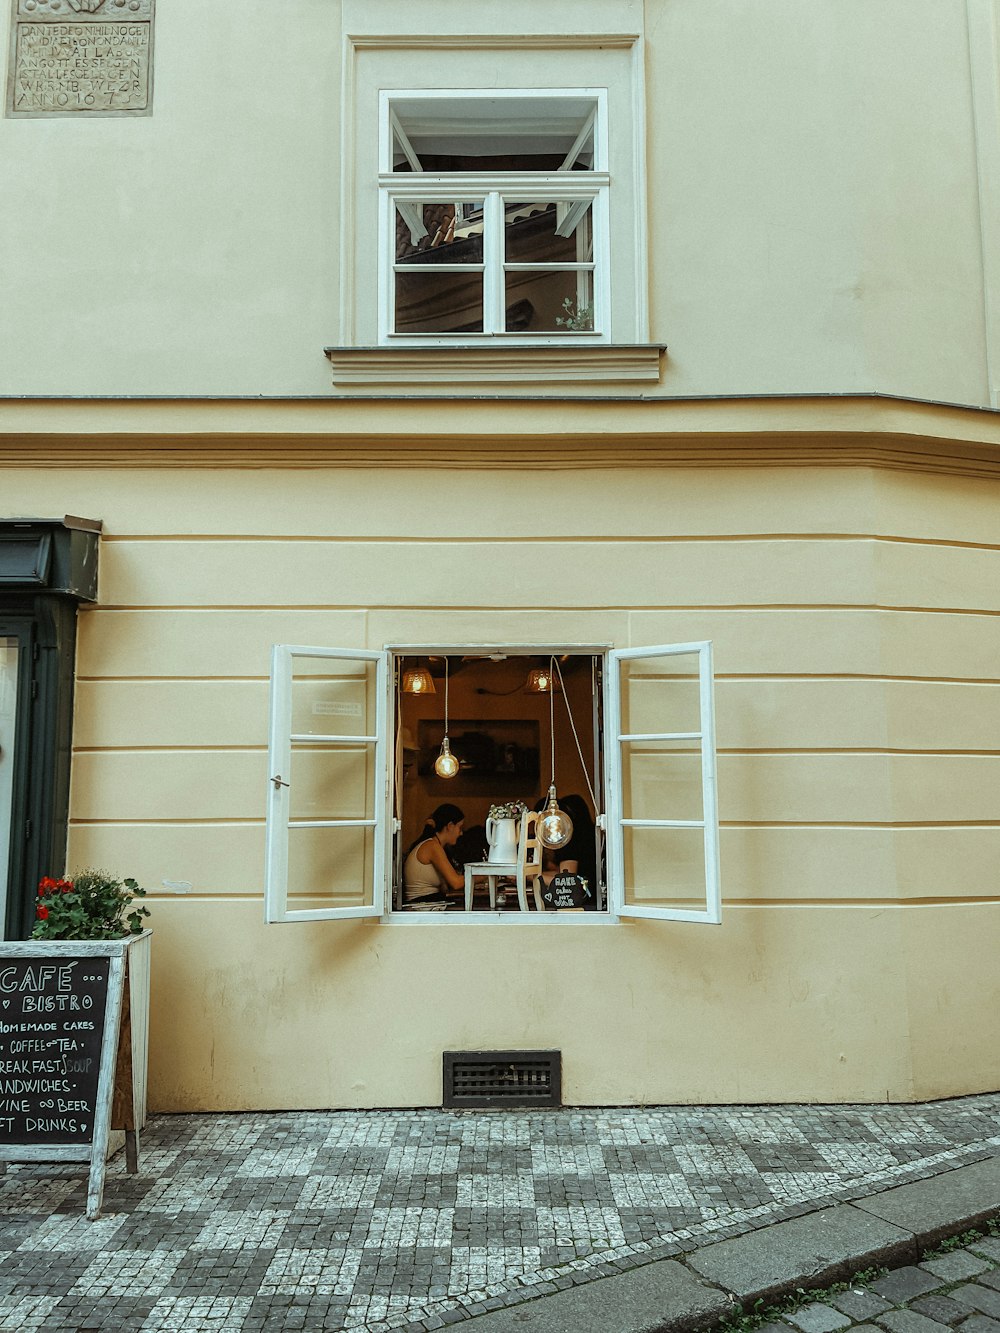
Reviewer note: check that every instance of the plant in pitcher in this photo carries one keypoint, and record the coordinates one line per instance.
(510, 810)
(90, 906)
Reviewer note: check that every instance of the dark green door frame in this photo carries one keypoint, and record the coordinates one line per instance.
(38, 607)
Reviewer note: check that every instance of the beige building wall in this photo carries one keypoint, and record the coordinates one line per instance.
(854, 613)
(820, 219)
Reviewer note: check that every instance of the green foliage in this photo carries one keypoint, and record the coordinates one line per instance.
(747, 1318)
(954, 1243)
(90, 906)
(575, 319)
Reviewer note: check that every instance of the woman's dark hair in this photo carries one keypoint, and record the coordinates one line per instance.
(437, 820)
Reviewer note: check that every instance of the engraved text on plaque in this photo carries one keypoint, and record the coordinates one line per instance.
(80, 57)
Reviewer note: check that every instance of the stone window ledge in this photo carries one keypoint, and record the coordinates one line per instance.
(512, 366)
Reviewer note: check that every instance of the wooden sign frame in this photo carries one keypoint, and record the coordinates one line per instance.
(114, 1105)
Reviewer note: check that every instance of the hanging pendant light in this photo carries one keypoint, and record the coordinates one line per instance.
(554, 827)
(539, 681)
(418, 680)
(446, 765)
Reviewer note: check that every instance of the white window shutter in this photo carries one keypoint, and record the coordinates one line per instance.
(664, 827)
(327, 780)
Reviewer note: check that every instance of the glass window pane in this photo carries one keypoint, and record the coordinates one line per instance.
(532, 233)
(456, 132)
(664, 868)
(332, 782)
(8, 719)
(332, 697)
(441, 233)
(660, 694)
(561, 302)
(662, 780)
(439, 302)
(330, 867)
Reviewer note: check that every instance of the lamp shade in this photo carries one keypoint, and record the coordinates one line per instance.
(418, 680)
(539, 681)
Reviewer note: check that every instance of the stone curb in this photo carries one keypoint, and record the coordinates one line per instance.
(697, 1290)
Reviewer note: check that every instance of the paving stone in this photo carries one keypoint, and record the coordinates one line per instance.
(989, 1246)
(384, 1220)
(818, 1318)
(956, 1265)
(940, 1308)
(943, 1205)
(977, 1297)
(991, 1278)
(980, 1323)
(908, 1321)
(814, 1250)
(906, 1284)
(860, 1303)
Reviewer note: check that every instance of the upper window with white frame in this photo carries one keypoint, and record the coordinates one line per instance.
(494, 217)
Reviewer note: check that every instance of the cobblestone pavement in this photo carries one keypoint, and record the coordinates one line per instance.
(957, 1290)
(417, 1219)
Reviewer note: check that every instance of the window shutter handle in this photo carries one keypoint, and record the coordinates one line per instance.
(278, 782)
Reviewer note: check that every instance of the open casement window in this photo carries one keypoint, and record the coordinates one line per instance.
(327, 784)
(664, 830)
(494, 217)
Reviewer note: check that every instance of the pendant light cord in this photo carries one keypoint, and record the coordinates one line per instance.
(579, 750)
(552, 724)
(446, 696)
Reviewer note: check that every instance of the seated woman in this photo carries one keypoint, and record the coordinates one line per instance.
(428, 874)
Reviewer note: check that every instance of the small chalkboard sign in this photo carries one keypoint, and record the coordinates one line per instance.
(567, 893)
(65, 1055)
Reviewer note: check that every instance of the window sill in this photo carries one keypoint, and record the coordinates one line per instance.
(606, 364)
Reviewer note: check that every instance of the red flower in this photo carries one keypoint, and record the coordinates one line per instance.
(41, 913)
(66, 885)
(45, 885)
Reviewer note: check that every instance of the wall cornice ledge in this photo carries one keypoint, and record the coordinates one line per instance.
(500, 431)
(426, 366)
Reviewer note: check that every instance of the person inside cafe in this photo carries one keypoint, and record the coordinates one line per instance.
(429, 876)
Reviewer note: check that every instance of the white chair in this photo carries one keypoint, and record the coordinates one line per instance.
(527, 866)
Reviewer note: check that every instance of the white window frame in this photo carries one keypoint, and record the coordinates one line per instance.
(279, 756)
(279, 823)
(573, 189)
(619, 819)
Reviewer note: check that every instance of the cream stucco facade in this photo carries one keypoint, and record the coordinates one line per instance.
(810, 481)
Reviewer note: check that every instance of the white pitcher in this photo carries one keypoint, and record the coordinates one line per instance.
(501, 834)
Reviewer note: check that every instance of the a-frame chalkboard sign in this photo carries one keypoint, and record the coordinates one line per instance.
(66, 1055)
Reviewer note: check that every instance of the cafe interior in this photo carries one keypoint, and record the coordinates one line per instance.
(514, 742)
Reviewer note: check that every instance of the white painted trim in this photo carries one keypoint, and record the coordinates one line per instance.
(640, 213)
(984, 68)
(559, 41)
(618, 819)
(278, 823)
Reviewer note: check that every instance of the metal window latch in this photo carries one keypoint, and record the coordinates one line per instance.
(278, 782)
(601, 822)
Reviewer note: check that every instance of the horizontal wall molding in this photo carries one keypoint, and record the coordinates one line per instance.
(484, 431)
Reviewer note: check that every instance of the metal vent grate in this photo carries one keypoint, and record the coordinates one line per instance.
(481, 1079)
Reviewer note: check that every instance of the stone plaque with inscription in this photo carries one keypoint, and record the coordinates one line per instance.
(81, 58)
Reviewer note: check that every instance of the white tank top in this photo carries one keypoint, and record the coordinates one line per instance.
(419, 880)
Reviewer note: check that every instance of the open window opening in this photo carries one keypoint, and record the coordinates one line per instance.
(507, 715)
(358, 763)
